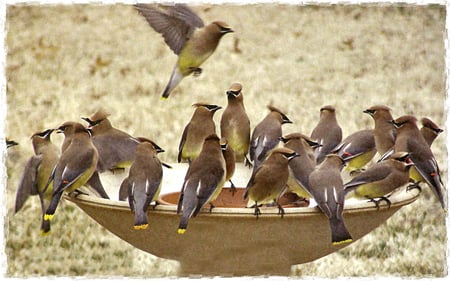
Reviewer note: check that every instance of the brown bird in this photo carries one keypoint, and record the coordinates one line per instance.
(116, 148)
(143, 184)
(203, 181)
(230, 162)
(199, 127)
(36, 173)
(268, 182)
(234, 124)
(68, 129)
(186, 35)
(300, 167)
(75, 166)
(327, 132)
(425, 168)
(357, 149)
(266, 135)
(384, 131)
(381, 179)
(429, 130)
(327, 188)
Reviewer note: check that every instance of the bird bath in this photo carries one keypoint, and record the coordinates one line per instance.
(229, 240)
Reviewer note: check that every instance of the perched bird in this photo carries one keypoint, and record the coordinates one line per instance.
(327, 188)
(327, 132)
(384, 131)
(68, 129)
(143, 184)
(36, 173)
(234, 124)
(429, 130)
(186, 35)
(266, 135)
(357, 149)
(75, 166)
(409, 139)
(116, 148)
(203, 181)
(230, 161)
(268, 182)
(380, 179)
(10, 143)
(300, 167)
(199, 127)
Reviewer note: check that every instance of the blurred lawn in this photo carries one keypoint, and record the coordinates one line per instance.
(65, 61)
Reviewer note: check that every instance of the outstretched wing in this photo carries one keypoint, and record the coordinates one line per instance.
(176, 23)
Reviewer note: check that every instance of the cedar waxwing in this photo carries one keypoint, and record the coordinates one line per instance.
(69, 131)
(425, 168)
(199, 127)
(115, 147)
(327, 188)
(143, 183)
(268, 182)
(75, 167)
(381, 179)
(36, 173)
(384, 131)
(10, 143)
(230, 161)
(429, 130)
(266, 135)
(203, 181)
(186, 35)
(357, 149)
(235, 125)
(327, 132)
(301, 166)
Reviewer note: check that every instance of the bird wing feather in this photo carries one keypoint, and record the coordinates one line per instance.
(28, 184)
(176, 23)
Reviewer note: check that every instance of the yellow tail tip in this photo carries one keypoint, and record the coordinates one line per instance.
(140, 226)
(48, 217)
(343, 242)
(163, 98)
(181, 231)
(45, 233)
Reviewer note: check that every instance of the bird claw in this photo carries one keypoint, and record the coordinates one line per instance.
(377, 202)
(257, 212)
(280, 210)
(77, 193)
(413, 186)
(248, 163)
(211, 206)
(232, 188)
(196, 71)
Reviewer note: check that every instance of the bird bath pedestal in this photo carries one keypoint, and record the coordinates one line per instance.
(229, 240)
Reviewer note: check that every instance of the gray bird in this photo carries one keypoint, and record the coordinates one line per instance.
(75, 166)
(327, 188)
(268, 182)
(199, 127)
(203, 181)
(266, 135)
(384, 131)
(429, 130)
(36, 173)
(186, 35)
(143, 184)
(327, 132)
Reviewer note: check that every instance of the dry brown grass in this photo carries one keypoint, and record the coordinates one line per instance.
(63, 62)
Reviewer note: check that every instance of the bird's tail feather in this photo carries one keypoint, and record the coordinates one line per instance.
(175, 79)
(339, 232)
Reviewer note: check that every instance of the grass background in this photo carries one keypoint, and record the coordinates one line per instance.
(66, 61)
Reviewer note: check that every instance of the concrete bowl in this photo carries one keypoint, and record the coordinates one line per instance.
(229, 240)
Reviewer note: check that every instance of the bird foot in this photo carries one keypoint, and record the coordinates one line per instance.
(356, 172)
(77, 193)
(248, 163)
(196, 71)
(280, 210)
(211, 206)
(257, 212)
(377, 202)
(232, 188)
(413, 186)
